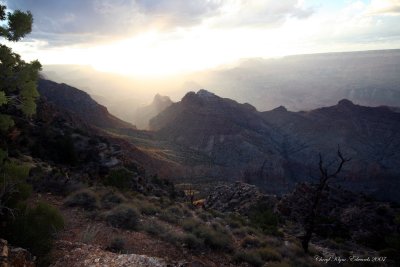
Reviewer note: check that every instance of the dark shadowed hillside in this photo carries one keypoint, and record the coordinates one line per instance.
(279, 148)
(79, 102)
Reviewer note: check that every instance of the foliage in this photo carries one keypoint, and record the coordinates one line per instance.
(250, 257)
(148, 208)
(262, 217)
(117, 245)
(120, 178)
(112, 199)
(13, 186)
(123, 216)
(18, 79)
(251, 242)
(33, 228)
(85, 198)
(269, 254)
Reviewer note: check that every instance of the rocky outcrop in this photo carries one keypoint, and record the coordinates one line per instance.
(15, 257)
(143, 114)
(240, 197)
(79, 254)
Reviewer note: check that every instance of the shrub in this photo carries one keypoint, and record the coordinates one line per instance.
(251, 242)
(218, 241)
(120, 178)
(172, 215)
(205, 216)
(190, 224)
(117, 245)
(154, 228)
(148, 208)
(263, 218)
(112, 199)
(250, 257)
(33, 228)
(269, 254)
(213, 239)
(123, 216)
(192, 242)
(85, 198)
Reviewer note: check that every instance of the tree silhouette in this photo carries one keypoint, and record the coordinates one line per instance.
(325, 178)
(18, 79)
(18, 93)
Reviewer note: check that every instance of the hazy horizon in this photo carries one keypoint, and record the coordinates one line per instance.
(154, 39)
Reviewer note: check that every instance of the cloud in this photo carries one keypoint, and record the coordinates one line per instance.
(384, 7)
(66, 22)
(254, 13)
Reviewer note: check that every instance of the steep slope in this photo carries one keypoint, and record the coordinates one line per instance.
(143, 114)
(278, 148)
(227, 132)
(79, 102)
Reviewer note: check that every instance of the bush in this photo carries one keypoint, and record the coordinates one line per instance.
(262, 217)
(148, 208)
(120, 178)
(190, 224)
(123, 216)
(154, 228)
(213, 239)
(112, 199)
(34, 228)
(251, 258)
(172, 215)
(269, 254)
(85, 198)
(192, 242)
(251, 242)
(117, 245)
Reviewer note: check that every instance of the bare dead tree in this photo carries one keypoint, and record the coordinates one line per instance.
(324, 179)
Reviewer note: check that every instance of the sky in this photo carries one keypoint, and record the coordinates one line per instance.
(154, 38)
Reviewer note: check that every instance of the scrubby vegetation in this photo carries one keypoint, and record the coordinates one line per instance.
(123, 216)
(86, 199)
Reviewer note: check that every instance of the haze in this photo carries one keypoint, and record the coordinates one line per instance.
(158, 38)
(124, 52)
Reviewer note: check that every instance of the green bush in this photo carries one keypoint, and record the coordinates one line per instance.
(250, 257)
(148, 208)
(262, 217)
(154, 228)
(85, 198)
(217, 239)
(120, 178)
(269, 254)
(123, 216)
(112, 199)
(117, 245)
(213, 239)
(251, 242)
(172, 215)
(192, 242)
(190, 224)
(33, 228)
